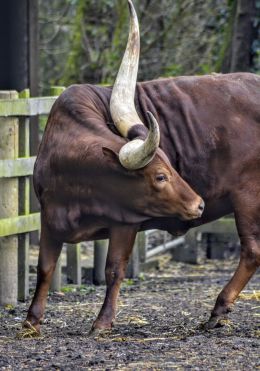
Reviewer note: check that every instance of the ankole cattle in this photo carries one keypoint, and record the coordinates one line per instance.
(115, 161)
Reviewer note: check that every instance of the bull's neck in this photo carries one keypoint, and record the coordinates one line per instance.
(181, 133)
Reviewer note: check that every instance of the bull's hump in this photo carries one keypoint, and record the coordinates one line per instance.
(85, 102)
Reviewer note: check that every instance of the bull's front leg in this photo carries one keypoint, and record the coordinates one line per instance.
(121, 243)
(49, 252)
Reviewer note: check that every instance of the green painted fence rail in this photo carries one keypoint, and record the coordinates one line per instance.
(17, 167)
(26, 107)
(19, 224)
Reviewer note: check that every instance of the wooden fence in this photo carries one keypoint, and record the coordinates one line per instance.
(16, 166)
(16, 221)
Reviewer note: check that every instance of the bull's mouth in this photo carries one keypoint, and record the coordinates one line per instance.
(191, 216)
(195, 214)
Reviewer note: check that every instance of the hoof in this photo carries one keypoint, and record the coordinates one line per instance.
(100, 332)
(28, 331)
(216, 322)
(212, 323)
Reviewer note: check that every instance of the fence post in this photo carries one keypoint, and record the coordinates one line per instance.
(100, 256)
(190, 251)
(56, 90)
(56, 278)
(138, 255)
(141, 242)
(24, 207)
(8, 207)
(74, 264)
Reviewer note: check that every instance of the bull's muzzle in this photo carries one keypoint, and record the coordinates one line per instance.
(196, 210)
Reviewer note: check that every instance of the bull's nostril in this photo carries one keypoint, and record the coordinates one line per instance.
(201, 206)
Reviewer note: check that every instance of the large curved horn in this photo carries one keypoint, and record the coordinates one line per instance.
(137, 153)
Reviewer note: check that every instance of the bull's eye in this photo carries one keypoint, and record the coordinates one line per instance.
(161, 178)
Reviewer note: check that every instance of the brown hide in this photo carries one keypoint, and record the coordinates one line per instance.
(210, 131)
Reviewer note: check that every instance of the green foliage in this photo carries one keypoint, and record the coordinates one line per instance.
(74, 58)
(223, 60)
(176, 37)
(82, 289)
(55, 21)
(128, 282)
(86, 289)
(141, 277)
(206, 68)
(172, 70)
(83, 41)
(257, 61)
(68, 289)
(96, 41)
(256, 43)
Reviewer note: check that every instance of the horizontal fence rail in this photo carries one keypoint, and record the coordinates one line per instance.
(17, 167)
(19, 224)
(26, 107)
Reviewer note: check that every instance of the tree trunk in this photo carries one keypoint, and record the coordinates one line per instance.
(243, 34)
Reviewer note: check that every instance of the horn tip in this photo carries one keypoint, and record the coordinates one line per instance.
(153, 125)
(131, 6)
(152, 120)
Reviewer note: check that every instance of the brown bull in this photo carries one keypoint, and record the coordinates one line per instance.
(101, 173)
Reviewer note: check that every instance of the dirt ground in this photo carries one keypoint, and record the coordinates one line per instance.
(158, 326)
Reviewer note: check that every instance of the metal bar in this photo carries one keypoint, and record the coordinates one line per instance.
(18, 167)
(165, 247)
(150, 231)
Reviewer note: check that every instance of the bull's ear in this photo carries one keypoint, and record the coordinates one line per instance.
(112, 158)
(111, 155)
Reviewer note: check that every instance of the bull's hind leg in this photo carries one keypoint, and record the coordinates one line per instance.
(120, 247)
(248, 224)
(49, 252)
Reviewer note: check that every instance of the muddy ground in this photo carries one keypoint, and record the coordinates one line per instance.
(158, 326)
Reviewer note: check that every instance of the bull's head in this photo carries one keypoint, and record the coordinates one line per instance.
(172, 195)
